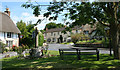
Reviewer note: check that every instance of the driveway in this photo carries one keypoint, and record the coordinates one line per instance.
(56, 47)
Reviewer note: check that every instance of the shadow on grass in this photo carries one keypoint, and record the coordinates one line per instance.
(69, 62)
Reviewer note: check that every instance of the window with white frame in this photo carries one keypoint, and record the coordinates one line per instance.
(9, 35)
(86, 32)
(51, 33)
(9, 43)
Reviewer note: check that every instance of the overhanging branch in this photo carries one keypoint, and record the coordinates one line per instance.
(102, 22)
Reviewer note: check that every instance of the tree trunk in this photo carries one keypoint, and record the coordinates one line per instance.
(115, 40)
(115, 32)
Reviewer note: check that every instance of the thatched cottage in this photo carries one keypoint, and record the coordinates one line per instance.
(8, 30)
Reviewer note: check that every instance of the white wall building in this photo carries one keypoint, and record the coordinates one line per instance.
(8, 31)
(52, 35)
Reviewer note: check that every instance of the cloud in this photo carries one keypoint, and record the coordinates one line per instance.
(25, 14)
(27, 17)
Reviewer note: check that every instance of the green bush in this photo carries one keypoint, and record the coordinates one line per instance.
(77, 37)
(40, 39)
(24, 47)
(15, 48)
(20, 50)
(6, 50)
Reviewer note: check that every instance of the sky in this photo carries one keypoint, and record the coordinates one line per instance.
(19, 13)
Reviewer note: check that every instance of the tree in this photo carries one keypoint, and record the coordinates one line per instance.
(40, 39)
(22, 27)
(53, 25)
(50, 25)
(101, 30)
(106, 13)
(26, 31)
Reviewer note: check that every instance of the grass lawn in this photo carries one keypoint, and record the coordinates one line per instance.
(87, 62)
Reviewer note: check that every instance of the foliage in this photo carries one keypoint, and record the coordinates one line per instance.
(20, 50)
(2, 47)
(26, 31)
(2, 44)
(106, 13)
(40, 39)
(77, 37)
(100, 30)
(45, 48)
(15, 48)
(53, 25)
(5, 50)
(24, 47)
(42, 31)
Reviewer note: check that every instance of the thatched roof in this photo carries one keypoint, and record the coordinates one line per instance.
(6, 24)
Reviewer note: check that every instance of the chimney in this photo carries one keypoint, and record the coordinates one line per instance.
(7, 11)
(46, 28)
(65, 26)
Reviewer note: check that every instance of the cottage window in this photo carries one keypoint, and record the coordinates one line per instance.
(9, 43)
(48, 40)
(86, 32)
(76, 31)
(64, 39)
(54, 39)
(51, 33)
(58, 33)
(4, 34)
(9, 34)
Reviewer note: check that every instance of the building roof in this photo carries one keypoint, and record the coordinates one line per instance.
(61, 29)
(7, 25)
(55, 30)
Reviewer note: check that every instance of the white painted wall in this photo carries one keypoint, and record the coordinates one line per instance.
(15, 38)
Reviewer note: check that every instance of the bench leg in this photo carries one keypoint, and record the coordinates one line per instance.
(60, 54)
(97, 55)
(78, 54)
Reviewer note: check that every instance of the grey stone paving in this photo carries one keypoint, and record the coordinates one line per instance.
(8, 53)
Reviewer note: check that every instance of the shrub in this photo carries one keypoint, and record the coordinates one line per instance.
(77, 37)
(20, 50)
(45, 49)
(40, 39)
(15, 48)
(6, 50)
(24, 47)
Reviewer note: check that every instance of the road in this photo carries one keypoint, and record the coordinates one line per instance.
(57, 46)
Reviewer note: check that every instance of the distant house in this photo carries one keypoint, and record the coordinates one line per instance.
(52, 35)
(8, 30)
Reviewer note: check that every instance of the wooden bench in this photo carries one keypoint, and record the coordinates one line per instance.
(79, 51)
(69, 51)
(88, 51)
